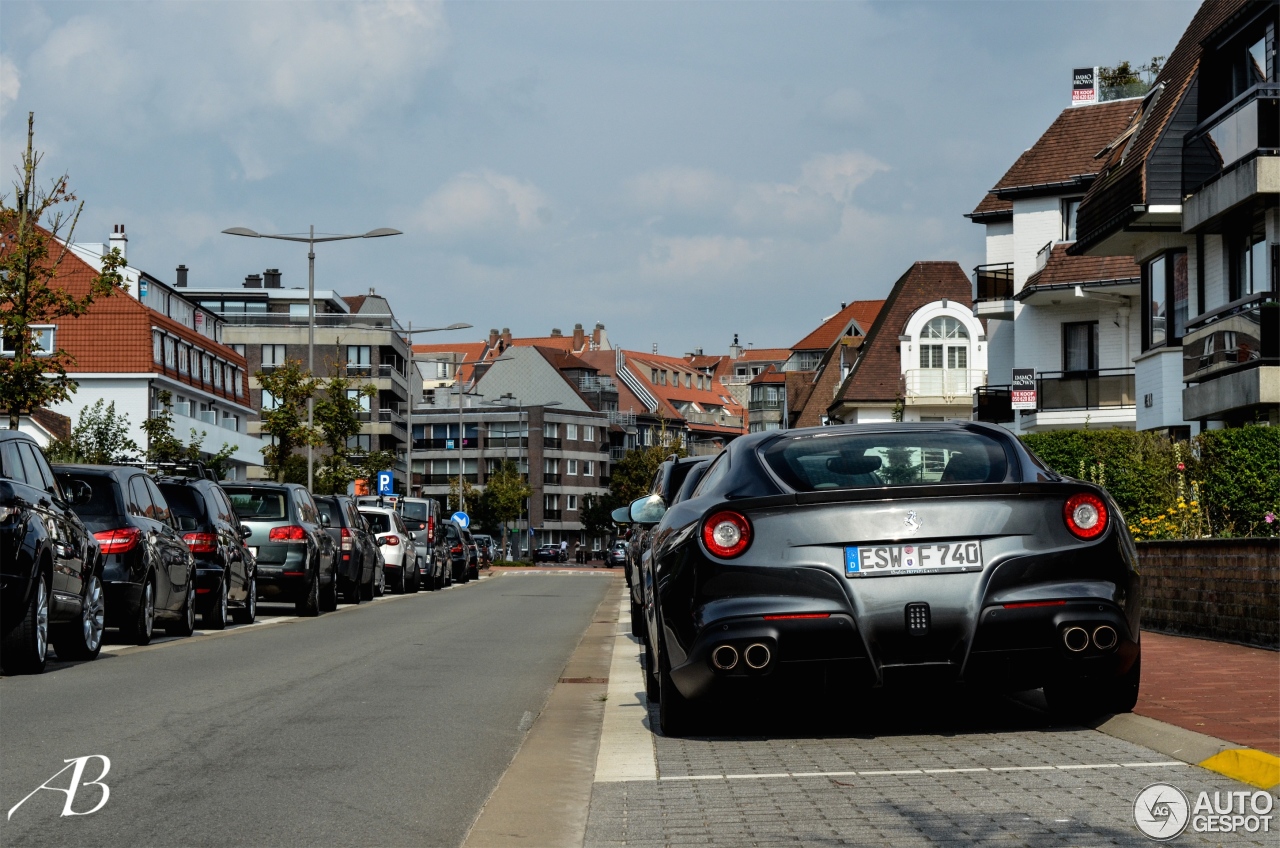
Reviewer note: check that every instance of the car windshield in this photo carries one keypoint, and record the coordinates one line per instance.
(379, 522)
(902, 458)
(259, 504)
(415, 510)
(102, 504)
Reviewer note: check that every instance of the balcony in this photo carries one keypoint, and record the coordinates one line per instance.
(597, 384)
(552, 514)
(993, 291)
(448, 479)
(715, 419)
(622, 419)
(993, 404)
(1108, 388)
(1230, 358)
(616, 452)
(1232, 159)
(736, 380)
(551, 443)
(551, 479)
(942, 385)
(505, 442)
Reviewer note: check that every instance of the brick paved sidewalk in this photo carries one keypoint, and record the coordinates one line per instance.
(1223, 690)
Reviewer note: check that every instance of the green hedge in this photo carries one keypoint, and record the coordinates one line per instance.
(1222, 483)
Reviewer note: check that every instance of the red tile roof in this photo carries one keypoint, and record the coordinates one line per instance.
(1064, 269)
(606, 363)
(861, 312)
(766, 354)
(671, 396)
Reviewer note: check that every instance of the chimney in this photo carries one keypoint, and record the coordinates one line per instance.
(253, 281)
(506, 337)
(735, 349)
(579, 337)
(843, 305)
(182, 277)
(119, 241)
(271, 278)
(493, 338)
(556, 334)
(596, 334)
(697, 351)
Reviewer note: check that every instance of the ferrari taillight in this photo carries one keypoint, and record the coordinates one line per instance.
(1086, 515)
(726, 534)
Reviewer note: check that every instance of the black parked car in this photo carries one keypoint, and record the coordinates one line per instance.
(357, 550)
(50, 565)
(454, 544)
(149, 573)
(550, 552)
(226, 573)
(889, 553)
(296, 558)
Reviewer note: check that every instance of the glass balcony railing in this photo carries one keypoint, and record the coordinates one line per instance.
(1247, 127)
(993, 404)
(993, 282)
(1239, 335)
(1102, 389)
(551, 479)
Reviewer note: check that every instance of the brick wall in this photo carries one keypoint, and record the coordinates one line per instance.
(1225, 589)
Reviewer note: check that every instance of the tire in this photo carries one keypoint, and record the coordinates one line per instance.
(308, 606)
(637, 620)
(24, 647)
(215, 617)
(366, 589)
(140, 630)
(677, 715)
(249, 612)
(1083, 701)
(329, 595)
(380, 582)
(186, 625)
(413, 587)
(82, 639)
(651, 688)
(353, 593)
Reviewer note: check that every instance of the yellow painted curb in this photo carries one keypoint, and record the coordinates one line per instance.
(1246, 765)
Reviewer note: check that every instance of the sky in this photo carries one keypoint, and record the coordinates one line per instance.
(679, 171)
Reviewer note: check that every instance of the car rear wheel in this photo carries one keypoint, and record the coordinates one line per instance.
(249, 612)
(677, 715)
(140, 629)
(329, 595)
(637, 620)
(308, 605)
(1085, 700)
(215, 617)
(82, 639)
(354, 592)
(651, 688)
(366, 589)
(23, 648)
(413, 584)
(186, 625)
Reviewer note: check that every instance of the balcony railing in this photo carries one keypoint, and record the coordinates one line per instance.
(616, 452)
(504, 442)
(1249, 126)
(714, 418)
(551, 479)
(551, 514)
(1242, 334)
(736, 380)
(446, 479)
(1107, 388)
(993, 404)
(359, 370)
(359, 321)
(993, 282)
(623, 419)
(597, 384)
(766, 403)
(943, 382)
(551, 443)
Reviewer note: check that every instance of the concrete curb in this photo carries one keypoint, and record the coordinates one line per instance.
(1256, 768)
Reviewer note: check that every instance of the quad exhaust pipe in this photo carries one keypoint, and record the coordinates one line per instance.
(757, 656)
(725, 657)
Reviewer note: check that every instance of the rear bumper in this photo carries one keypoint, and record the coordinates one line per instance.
(288, 580)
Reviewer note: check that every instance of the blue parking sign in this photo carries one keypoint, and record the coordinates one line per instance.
(386, 483)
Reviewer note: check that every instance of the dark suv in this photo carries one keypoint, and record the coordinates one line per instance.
(296, 558)
(454, 544)
(357, 550)
(226, 579)
(50, 567)
(148, 572)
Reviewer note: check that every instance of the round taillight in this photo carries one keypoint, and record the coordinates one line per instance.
(1086, 515)
(726, 534)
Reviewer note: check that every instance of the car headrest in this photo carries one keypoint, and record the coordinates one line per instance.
(967, 468)
(864, 464)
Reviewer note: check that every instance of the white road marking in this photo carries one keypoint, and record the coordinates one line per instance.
(626, 743)
(930, 771)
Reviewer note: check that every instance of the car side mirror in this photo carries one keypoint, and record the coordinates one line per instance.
(245, 531)
(621, 515)
(79, 493)
(648, 510)
(324, 520)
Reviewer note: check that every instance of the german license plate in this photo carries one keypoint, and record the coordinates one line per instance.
(925, 558)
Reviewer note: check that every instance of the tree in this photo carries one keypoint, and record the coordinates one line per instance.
(31, 295)
(100, 437)
(373, 462)
(632, 476)
(504, 497)
(337, 415)
(164, 446)
(289, 386)
(468, 494)
(596, 513)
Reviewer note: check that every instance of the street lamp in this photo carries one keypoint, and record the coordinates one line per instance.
(412, 361)
(311, 242)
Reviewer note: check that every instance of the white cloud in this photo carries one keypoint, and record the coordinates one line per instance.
(681, 189)
(838, 174)
(10, 83)
(485, 214)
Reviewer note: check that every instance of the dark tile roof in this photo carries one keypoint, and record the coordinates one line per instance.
(1122, 183)
(877, 375)
(992, 208)
(1063, 269)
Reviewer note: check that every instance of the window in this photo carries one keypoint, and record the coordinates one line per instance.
(571, 432)
(1080, 346)
(653, 376)
(442, 370)
(688, 381)
(157, 348)
(359, 359)
(233, 379)
(184, 359)
(550, 466)
(298, 312)
(363, 401)
(930, 356)
(206, 369)
(588, 433)
(1069, 207)
(571, 467)
(944, 327)
(551, 503)
(238, 348)
(571, 502)
(272, 356)
(587, 468)
(1249, 267)
(139, 499)
(957, 357)
(551, 430)
(217, 375)
(269, 400)
(1165, 293)
(362, 443)
(42, 340)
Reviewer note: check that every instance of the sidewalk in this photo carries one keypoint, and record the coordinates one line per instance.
(1223, 690)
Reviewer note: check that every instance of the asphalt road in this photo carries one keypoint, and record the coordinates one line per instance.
(383, 724)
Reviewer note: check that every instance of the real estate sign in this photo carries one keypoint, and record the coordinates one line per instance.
(1023, 388)
(1084, 86)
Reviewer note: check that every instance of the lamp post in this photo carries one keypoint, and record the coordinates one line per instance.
(311, 241)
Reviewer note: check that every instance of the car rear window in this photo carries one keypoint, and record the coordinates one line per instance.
(415, 510)
(379, 522)
(186, 503)
(103, 504)
(330, 510)
(874, 459)
(259, 504)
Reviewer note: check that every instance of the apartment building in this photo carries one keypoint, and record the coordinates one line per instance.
(1192, 195)
(357, 335)
(694, 407)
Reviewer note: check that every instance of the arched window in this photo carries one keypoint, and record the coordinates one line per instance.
(944, 343)
(944, 328)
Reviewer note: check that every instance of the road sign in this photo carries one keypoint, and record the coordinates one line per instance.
(461, 519)
(1023, 389)
(386, 483)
